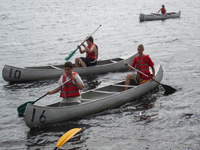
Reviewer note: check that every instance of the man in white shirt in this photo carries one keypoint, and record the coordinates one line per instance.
(70, 91)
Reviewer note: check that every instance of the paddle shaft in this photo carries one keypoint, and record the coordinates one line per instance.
(90, 35)
(72, 53)
(52, 90)
(21, 108)
(167, 88)
(142, 73)
(139, 71)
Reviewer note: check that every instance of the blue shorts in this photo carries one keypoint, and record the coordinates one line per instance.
(88, 61)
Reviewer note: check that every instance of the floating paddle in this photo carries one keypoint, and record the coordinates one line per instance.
(66, 137)
(21, 108)
(168, 89)
(73, 52)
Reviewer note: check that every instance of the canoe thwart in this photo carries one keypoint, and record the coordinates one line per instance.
(105, 92)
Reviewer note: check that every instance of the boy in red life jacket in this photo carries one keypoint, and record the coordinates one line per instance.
(163, 10)
(142, 63)
(91, 54)
(70, 90)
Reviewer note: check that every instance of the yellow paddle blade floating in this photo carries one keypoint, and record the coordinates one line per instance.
(67, 136)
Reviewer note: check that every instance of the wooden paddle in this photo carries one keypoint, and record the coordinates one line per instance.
(168, 89)
(66, 137)
(73, 52)
(21, 108)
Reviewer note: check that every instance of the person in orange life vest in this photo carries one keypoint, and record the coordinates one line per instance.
(70, 90)
(163, 10)
(91, 54)
(142, 63)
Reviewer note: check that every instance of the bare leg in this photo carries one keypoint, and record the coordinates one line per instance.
(82, 63)
(77, 61)
(128, 78)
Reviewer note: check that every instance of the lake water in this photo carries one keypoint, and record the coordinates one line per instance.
(35, 33)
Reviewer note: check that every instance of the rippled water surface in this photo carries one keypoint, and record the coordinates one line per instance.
(35, 33)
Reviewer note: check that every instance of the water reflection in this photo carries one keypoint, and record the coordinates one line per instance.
(38, 137)
(28, 85)
(90, 82)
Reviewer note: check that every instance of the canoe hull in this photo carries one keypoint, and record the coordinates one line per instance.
(16, 75)
(149, 17)
(93, 101)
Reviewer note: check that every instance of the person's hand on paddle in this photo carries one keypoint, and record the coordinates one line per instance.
(48, 92)
(125, 63)
(73, 77)
(78, 84)
(83, 44)
(52, 92)
(79, 47)
(153, 78)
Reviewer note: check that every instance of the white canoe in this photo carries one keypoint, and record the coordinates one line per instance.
(93, 101)
(153, 16)
(15, 74)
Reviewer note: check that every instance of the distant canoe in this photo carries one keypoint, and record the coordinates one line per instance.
(92, 101)
(153, 16)
(16, 75)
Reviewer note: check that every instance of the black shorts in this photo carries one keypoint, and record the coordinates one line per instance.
(88, 61)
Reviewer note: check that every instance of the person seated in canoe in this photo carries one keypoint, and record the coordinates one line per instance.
(91, 54)
(142, 63)
(163, 10)
(70, 91)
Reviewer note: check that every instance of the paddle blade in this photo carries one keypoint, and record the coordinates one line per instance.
(21, 108)
(70, 55)
(67, 136)
(168, 89)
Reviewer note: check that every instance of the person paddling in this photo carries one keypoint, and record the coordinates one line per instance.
(91, 54)
(163, 10)
(141, 62)
(70, 91)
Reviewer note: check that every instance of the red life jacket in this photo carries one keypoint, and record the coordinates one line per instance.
(93, 55)
(143, 67)
(69, 89)
(163, 10)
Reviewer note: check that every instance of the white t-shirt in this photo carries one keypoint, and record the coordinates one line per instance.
(71, 99)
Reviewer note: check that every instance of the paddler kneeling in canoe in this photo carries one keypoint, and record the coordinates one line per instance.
(142, 63)
(70, 91)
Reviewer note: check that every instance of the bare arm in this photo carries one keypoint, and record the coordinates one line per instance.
(93, 48)
(78, 84)
(80, 50)
(153, 71)
(53, 92)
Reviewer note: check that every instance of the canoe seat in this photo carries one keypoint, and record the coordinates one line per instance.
(105, 92)
(85, 100)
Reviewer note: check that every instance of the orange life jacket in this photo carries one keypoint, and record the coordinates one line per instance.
(143, 67)
(69, 89)
(93, 55)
